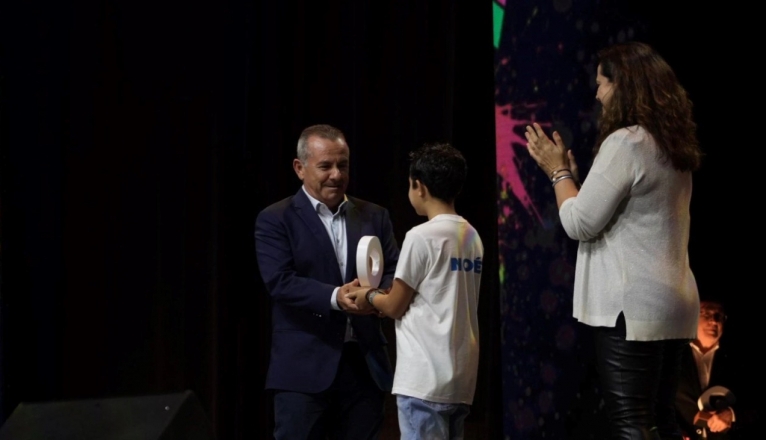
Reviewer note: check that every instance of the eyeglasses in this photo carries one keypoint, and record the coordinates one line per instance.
(714, 316)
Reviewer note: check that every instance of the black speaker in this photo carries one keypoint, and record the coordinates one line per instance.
(155, 417)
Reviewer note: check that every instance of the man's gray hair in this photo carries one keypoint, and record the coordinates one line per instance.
(322, 130)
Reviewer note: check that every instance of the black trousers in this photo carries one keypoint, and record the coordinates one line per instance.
(351, 409)
(639, 381)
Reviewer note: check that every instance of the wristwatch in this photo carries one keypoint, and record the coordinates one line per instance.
(372, 293)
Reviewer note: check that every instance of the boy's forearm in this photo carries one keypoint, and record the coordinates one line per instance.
(394, 303)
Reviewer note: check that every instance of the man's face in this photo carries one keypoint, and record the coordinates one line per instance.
(710, 327)
(325, 173)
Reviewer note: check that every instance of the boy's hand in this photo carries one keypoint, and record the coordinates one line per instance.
(359, 296)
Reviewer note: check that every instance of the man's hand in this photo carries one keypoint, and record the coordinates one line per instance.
(344, 302)
(720, 421)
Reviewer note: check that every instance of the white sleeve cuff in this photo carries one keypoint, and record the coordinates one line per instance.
(334, 299)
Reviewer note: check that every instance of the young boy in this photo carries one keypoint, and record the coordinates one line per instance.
(434, 299)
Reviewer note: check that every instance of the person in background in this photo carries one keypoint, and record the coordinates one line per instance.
(704, 365)
(633, 283)
(329, 368)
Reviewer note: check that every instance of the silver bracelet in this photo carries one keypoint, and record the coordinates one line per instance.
(560, 178)
(554, 172)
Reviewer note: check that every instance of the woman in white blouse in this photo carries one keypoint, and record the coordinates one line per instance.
(633, 283)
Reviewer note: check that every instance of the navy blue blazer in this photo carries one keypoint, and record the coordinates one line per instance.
(300, 270)
(689, 391)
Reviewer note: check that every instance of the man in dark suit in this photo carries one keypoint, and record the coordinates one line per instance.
(329, 367)
(704, 365)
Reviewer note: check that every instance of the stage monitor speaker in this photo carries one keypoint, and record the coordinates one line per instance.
(176, 416)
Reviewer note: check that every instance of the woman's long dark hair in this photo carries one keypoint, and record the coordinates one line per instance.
(646, 92)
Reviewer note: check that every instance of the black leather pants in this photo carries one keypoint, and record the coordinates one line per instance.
(638, 381)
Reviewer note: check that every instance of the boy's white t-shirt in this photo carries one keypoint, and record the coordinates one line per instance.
(437, 339)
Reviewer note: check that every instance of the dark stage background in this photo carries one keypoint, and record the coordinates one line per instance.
(139, 141)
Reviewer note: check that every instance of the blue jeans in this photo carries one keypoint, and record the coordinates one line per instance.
(424, 420)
